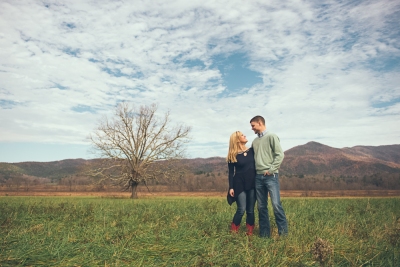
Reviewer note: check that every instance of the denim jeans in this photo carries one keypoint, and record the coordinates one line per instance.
(245, 202)
(264, 185)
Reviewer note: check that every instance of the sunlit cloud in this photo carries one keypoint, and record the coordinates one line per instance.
(317, 71)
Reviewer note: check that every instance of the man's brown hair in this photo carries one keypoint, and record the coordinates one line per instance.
(258, 118)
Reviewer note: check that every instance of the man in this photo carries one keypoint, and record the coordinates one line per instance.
(268, 156)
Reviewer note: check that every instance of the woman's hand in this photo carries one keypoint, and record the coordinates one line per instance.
(231, 192)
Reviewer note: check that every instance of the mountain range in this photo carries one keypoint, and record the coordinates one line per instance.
(309, 159)
(314, 158)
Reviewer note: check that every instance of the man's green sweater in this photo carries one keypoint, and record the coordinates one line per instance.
(268, 153)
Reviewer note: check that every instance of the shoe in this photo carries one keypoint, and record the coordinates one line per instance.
(234, 228)
(250, 229)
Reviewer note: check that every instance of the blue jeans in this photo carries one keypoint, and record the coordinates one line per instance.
(264, 185)
(245, 202)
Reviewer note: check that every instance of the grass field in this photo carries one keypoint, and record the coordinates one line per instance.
(194, 231)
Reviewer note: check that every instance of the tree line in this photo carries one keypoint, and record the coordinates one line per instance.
(199, 181)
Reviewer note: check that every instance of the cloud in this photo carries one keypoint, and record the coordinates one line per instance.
(324, 71)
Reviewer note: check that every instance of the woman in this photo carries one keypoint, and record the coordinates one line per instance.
(241, 180)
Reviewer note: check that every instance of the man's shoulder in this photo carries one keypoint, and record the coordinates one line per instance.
(271, 135)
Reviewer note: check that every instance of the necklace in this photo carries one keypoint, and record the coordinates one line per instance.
(244, 152)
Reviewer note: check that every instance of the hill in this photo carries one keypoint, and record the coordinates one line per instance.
(52, 170)
(314, 158)
(309, 159)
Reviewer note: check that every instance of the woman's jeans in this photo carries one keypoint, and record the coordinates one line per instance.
(245, 202)
(264, 185)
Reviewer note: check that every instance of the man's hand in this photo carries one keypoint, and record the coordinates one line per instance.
(231, 192)
(267, 173)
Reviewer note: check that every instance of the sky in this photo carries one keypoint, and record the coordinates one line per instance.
(323, 71)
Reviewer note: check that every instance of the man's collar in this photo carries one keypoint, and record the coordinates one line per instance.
(263, 133)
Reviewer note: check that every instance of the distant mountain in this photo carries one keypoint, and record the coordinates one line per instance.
(52, 170)
(386, 153)
(314, 158)
(310, 159)
(206, 165)
(7, 169)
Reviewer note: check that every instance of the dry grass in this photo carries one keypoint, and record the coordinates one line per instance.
(194, 231)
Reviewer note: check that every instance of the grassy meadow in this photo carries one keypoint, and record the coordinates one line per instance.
(194, 231)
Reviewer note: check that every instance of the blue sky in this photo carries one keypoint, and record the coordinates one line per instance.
(325, 71)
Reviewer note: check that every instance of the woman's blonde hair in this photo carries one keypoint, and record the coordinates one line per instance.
(234, 146)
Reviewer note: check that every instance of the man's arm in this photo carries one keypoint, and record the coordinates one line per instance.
(277, 154)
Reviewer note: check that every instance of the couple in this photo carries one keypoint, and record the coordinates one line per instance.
(253, 173)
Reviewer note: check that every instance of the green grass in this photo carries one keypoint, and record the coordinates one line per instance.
(187, 231)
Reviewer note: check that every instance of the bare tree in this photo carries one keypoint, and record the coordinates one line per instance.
(138, 146)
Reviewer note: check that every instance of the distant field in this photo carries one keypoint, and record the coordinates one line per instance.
(193, 231)
(284, 193)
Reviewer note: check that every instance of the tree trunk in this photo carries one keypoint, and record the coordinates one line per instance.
(133, 188)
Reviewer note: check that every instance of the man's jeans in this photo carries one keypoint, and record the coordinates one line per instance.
(245, 202)
(264, 185)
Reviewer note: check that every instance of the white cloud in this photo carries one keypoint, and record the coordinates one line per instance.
(324, 66)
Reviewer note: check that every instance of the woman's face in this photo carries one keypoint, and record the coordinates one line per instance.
(242, 138)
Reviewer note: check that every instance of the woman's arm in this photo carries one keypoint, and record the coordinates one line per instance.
(231, 171)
